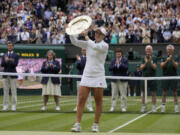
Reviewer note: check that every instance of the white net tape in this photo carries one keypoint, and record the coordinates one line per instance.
(79, 76)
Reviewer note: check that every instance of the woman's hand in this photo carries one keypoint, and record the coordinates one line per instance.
(84, 33)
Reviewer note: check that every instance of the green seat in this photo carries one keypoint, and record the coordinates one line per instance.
(111, 54)
(135, 54)
(73, 69)
(155, 53)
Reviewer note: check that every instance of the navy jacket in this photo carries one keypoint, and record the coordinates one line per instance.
(10, 66)
(80, 64)
(121, 70)
(50, 70)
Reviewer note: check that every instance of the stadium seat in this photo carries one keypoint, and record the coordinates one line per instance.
(135, 55)
(155, 53)
(111, 54)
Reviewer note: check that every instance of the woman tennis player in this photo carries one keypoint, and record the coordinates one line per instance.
(93, 77)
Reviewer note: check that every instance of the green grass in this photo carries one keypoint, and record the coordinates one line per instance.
(28, 117)
(155, 123)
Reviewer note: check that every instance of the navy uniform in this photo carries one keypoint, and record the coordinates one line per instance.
(119, 85)
(10, 66)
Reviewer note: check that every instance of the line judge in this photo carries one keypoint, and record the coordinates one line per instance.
(9, 63)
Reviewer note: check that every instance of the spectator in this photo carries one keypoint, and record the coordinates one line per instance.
(48, 14)
(28, 23)
(32, 37)
(55, 38)
(130, 36)
(146, 35)
(99, 20)
(114, 38)
(18, 36)
(138, 36)
(39, 36)
(154, 34)
(11, 36)
(176, 35)
(119, 67)
(122, 35)
(61, 37)
(167, 35)
(54, 4)
(9, 63)
(25, 36)
(20, 21)
(51, 85)
(4, 38)
(148, 67)
(44, 36)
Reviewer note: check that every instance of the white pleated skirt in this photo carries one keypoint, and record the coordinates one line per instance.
(51, 89)
(96, 82)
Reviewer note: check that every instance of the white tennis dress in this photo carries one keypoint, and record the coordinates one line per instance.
(94, 73)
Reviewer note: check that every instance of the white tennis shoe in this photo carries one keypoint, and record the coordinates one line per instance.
(163, 108)
(75, 109)
(43, 108)
(154, 109)
(176, 109)
(112, 109)
(76, 127)
(95, 127)
(13, 108)
(123, 109)
(5, 108)
(90, 109)
(143, 109)
(58, 108)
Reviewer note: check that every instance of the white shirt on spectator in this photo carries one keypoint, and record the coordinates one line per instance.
(18, 34)
(48, 35)
(178, 22)
(20, 22)
(61, 38)
(55, 40)
(25, 36)
(176, 34)
(122, 34)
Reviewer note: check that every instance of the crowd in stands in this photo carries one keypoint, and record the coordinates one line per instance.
(127, 21)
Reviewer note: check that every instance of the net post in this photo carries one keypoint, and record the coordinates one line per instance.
(145, 87)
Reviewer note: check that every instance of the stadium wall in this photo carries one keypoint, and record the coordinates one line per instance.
(68, 57)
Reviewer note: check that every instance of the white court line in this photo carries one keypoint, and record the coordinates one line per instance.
(50, 103)
(34, 101)
(42, 103)
(131, 121)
